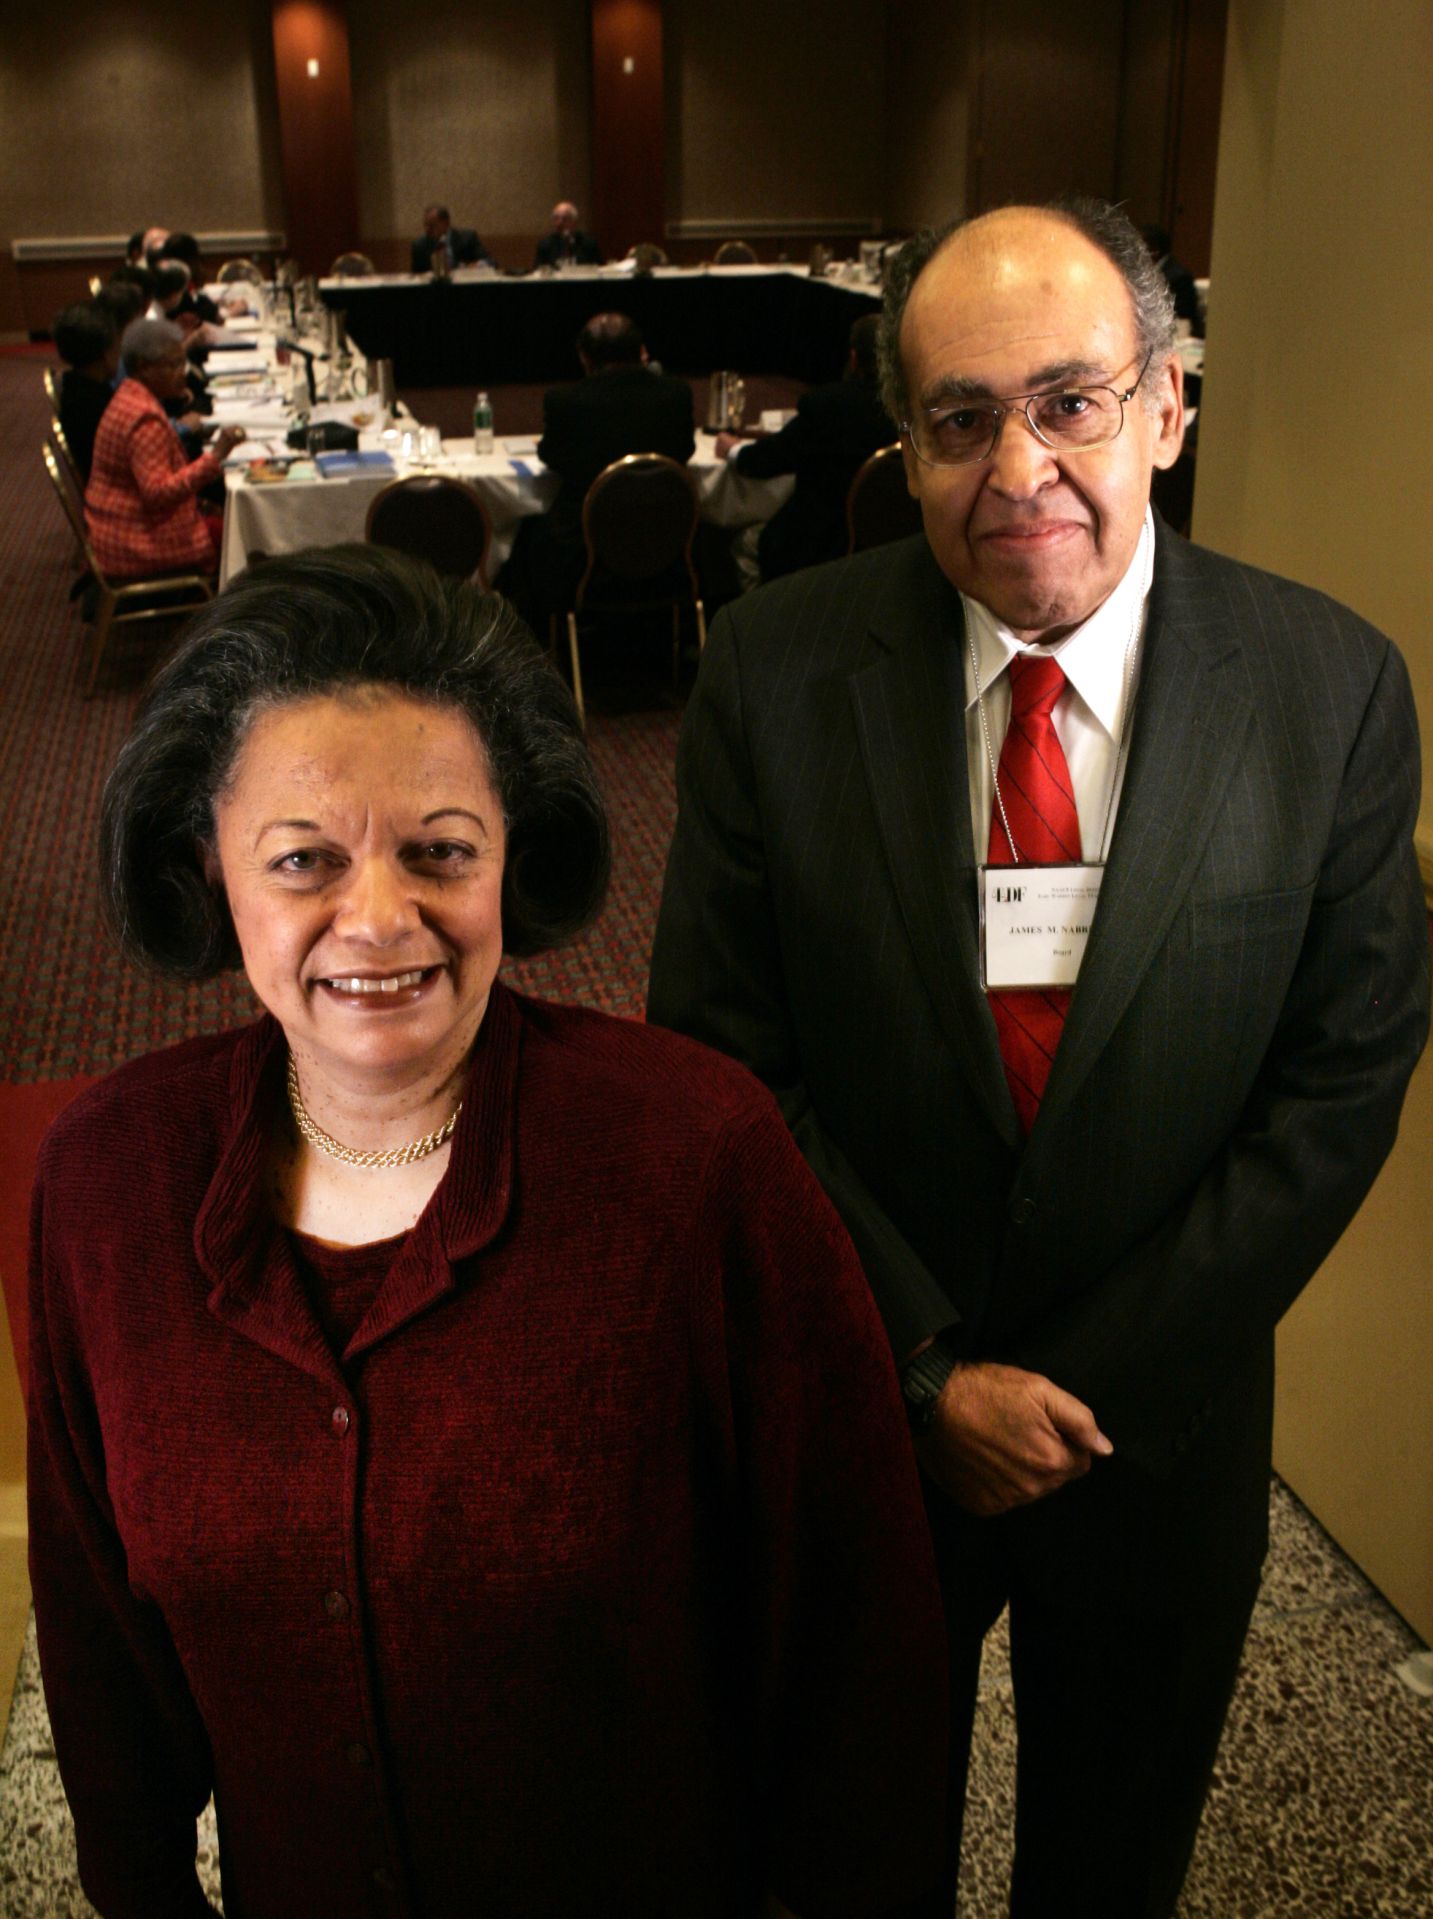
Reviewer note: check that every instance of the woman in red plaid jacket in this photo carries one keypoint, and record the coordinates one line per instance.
(142, 502)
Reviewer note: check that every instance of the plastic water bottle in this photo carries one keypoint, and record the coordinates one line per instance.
(482, 424)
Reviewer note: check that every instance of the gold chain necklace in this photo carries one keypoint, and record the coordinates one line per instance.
(350, 1155)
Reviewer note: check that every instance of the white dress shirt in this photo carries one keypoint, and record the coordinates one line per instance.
(1101, 665)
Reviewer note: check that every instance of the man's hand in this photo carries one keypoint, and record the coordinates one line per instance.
(1002, 1437)
(726, 443)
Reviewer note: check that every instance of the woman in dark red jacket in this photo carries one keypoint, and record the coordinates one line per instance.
(462, 1439)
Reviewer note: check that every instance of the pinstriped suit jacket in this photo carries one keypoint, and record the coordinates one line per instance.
(1252, 1001)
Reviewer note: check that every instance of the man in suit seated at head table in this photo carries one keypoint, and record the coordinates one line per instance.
(620, 406)
(445, 243)
(836, 429)
(566, 242)
(1058, 876)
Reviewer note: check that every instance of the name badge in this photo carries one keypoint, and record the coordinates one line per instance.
(1035, 924)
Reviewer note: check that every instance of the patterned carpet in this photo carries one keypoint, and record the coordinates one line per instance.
(1322, 1806)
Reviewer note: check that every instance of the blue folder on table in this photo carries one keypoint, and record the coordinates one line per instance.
(344, 466)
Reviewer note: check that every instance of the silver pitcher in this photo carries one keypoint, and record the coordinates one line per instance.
(726, 402)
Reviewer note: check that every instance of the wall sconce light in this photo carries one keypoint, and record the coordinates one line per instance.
(313, 69)
(629, 65)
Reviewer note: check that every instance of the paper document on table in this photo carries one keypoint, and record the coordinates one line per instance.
(518, 446)
(248, 451)
(238, 360)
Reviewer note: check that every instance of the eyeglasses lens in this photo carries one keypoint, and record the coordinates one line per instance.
(1083, 417)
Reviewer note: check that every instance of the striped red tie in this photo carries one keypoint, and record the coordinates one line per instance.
(1039, 803)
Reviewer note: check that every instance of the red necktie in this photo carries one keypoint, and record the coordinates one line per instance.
(1039, 802)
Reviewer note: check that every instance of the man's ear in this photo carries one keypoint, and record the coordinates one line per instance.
(1170, 442)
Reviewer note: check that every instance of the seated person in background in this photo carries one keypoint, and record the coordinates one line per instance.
(123, 300)
(1178, 278)
(152, 245)
(836, 428)
(87, 340)
(142, 504)
(620, 407)
(459, 246)
(184, 248)
(566, 241)
(134, 251)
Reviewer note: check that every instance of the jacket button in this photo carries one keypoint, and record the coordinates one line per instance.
(335, 1605)
(1023, 1212)
(384, 1879)
(358, 1754)
(341, 1420)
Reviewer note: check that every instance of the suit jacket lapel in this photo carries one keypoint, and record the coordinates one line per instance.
(909, 702)
(1191, 715)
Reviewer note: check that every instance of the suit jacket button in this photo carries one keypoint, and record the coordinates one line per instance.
(1023, 1212)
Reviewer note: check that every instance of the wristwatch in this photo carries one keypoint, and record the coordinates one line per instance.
(922, 1379)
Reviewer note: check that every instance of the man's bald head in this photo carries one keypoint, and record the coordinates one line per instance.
(1107, 228)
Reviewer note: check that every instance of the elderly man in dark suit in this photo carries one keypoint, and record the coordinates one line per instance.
(444, 246)
(565, 243)
(1058, 875)
(621, 406)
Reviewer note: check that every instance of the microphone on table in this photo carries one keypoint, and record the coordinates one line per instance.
(308, 356)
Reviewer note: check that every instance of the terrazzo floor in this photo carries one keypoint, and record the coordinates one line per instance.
(1322, 1806)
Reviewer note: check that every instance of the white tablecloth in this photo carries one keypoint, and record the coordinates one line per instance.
(303, 511)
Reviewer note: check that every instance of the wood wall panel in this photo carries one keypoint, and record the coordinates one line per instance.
(316, 130)
(629, 201)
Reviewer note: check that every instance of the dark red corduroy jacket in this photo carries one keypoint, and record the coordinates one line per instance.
(595, 1582)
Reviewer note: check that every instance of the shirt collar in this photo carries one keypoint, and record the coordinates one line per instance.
(1092, 656)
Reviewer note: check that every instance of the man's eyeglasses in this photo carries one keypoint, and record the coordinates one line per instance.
(1072, 421)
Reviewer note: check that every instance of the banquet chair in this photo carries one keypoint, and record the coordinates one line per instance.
(732, 253)
(878, 506)
(436, 519)
(165, 597)
(352, 266)
(646, 255)
(638, 522)
(75, 492)
(241, 269)
(52, 392)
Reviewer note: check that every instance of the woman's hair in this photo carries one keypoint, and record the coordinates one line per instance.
(146, 342)
(330, 622)
(83, 333)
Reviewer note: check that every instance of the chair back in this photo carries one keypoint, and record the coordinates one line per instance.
(638, 520)
(352, 266)
(69, 465)
(72, 501)
(52, 390)
(878, 506)
(733, 253)
(233, 270)
(436, 519)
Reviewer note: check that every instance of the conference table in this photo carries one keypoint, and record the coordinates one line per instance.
(484, 328)
(304, 509)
